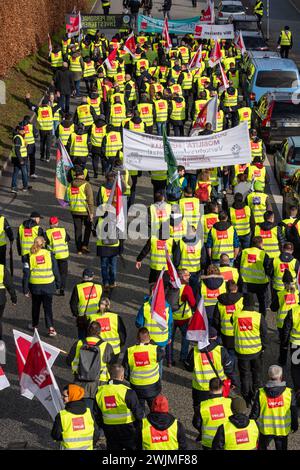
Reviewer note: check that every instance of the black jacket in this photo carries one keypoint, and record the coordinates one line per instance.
(162, 421)
(197, 418)
(227, 363)
(9, 286)
(239, 420)
(64, 81)
(77, 408)
(268, 226)
(286, 329)
(225, 299)
(273, 391)
(29, 223)
(40, 289)
(285, 258)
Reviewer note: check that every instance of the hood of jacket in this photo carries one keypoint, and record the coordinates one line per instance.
(76, 407)
(212, 282)
(239, 205)
(223, 225)
(286, 257)
(239, 420)
(29, 223)
(230, 298)
(161, 421)
(274, 389)
(267, 225)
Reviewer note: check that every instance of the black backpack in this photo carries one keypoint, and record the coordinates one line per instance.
(89, 365)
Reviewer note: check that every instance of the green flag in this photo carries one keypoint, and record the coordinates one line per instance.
(173, 175)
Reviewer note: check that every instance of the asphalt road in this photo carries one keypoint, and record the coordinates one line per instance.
(24, 420)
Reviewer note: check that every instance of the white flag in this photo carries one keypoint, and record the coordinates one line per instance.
(198, 327)
(196, 60)
(4, 383)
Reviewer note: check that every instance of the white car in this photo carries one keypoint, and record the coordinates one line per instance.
(230, 9)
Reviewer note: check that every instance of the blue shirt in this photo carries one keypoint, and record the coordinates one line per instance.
(140, 320)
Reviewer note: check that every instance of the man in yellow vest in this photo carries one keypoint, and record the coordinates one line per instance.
(229, 273)
(229, 103)
(5, 231)
(240, 217)
(285, 42)
(160, 430)
(117, 113)
(245, 114)
(74, 427)
(76, 67)
(250, 340)
(238, 431)
(160, 112)
(190, 207)
(89, 73)
(31, 134)
(83, 355)
(200, 362)
(27, 232)
(85, 114)
(146, 111)
(222, 238)
(255, 266)
(19, 159)
(111, 145)
(256, 171)
(271, 235)
(57, 240)
(130, 92)
(118, 411)
(291, 338)
(105, 6)
(211, 413)
(56, 59)
(98, 132)
(275, 411)
(257, 145)
(177, 111)
(259, 203)
(81, 199)
(141, 363)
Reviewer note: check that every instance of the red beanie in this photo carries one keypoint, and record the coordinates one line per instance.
(160, 404)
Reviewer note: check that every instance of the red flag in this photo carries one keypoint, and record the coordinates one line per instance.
(165, 35)
(239, 42)
(225, 82)
(209, 14)
(158, 304)
(50, 48)
(119, 205)
(112, 56)
(130, 45)
(174, 278)
(197, 59)
(207, 114)
(74, 27)
(198, 327)
(23, 342)
(4, 383)
(216, 55)
(38, 378)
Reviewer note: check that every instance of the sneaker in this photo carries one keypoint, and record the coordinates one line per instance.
(25, 190)
(112, 286)
(79, 252)
(52, 332)
(85, 249)
(34, 176)
(47, 160)
(14, 190)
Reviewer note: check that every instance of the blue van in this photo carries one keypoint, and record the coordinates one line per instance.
(266, 72)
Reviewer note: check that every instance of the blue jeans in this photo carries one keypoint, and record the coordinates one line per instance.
(160, 126)
(184, 342)
(109, 269)
(64, 102)
(77, 87)
(24, 170)
(245, 241)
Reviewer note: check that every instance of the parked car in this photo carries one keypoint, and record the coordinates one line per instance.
(291, 194)
(229, 9)
(287, 159)
(276, 117)
(267, 73)
(254, 41)
(245, 23)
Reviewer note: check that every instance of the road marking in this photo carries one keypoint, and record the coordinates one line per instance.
(96, 1)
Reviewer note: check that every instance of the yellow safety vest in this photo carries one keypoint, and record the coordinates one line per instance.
(210, 296)
(176, 88)
(75, 64)
(184, 312)
(117, 114)
(179, 230)
(109, 328)
(100, 230)
(79, 145)
(190, 256)
(158, 254)
(285, 38)
(27, 236)
(89, 69)
(241, 438)
(226, 313)
(45, 118)
(113, 144)
(235, 78)
(132, 96)
(120, 80)
(77, 198)
(64, 45)
(229, 273)
(89, 295)
(2, 231)
(97, 135)
(95, 103)
(208, 221)
(259, 8)
(187, 81)
(143, 365)
(161, 110)
(190, 209)
(203, 371)
(157, 333)
(111, 400)
(214, 412)
(246, 326)
(84, 114)
(222, 242)
(23, 148)
(56, 59)
(178, 111)
(256, 148)
(2, 286)
(77, 430)
(146, 113)
(239, 170)
(41, 268)
(257, 174)
(136, 127)
(185, 53)
(240, 219)
(29, 137)
(275, 413)
(119, 95)
(156, 439)
(270, 240)
(199, 105)
(258, 205)
(279, 267)
(65, 132)
(295, 333)
(160, 175)
(252, 266)
(57, 242)
(159, 215)
(245, 115)
(92, 340)
(287, 301)
(141, 63)
(230, 100)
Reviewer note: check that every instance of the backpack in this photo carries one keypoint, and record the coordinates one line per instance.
(172, 297)
(202, 192)
(173, 193)
(89, 365)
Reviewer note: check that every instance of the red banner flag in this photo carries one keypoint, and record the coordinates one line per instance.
(130, 45)
(198, 327)
(158, 304)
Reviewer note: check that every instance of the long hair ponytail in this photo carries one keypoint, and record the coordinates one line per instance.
(38, 244)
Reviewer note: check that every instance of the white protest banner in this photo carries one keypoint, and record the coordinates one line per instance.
(213, 31)
(146, 152)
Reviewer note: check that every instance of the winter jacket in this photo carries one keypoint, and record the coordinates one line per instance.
(64, 81)
(239, 420)
(76, 183)
(29, 223)
(161, 422)
(225, 299)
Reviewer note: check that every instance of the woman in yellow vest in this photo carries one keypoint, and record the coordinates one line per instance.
(212, 285)
(57, 241)
(41, 276)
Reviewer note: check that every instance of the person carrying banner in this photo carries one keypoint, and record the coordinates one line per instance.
(74, 427)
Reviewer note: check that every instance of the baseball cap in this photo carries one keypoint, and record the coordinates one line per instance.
(160, 404)
(88, 272)
(53, 220)
(35, 214)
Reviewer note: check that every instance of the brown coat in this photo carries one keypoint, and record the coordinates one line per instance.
(89, 196)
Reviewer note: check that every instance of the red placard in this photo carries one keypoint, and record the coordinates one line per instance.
(57, 235)
(217, 412)
(158, 436)
(104, 323)
(110, 402)
(141, 359)
(78, 424)
(245, 324)
(241, 437)
(40, 259)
